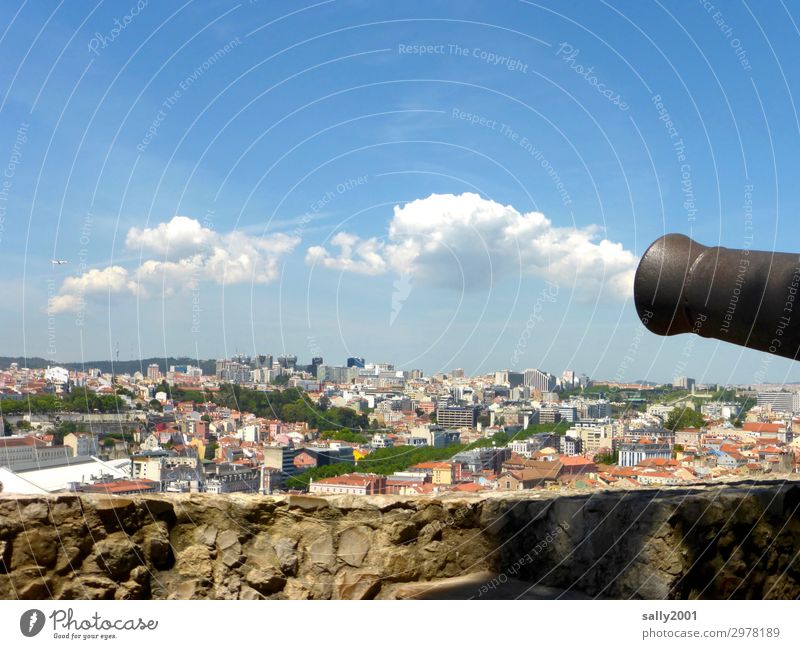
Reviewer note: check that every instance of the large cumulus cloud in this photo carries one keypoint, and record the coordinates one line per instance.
(468, 241)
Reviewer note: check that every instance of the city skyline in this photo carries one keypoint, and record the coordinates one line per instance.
(682, 382)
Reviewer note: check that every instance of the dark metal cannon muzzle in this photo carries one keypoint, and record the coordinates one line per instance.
(745, 297)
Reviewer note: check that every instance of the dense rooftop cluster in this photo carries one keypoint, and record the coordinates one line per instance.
(266, 425)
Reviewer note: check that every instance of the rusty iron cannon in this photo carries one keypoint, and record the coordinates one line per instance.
(745, 297)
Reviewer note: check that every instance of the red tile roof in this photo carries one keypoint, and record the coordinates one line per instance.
(431, 465)
(121, 486)
(575, 460)
(20, 441)
(762, 427)
(350, 479)
(468, 486)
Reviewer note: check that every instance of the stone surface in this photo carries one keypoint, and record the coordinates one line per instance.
(116, 555)
(38, 544)
(354, 543)
(195, 562)
(229, 548)
(736, 540)
(402, 532)
(356, 584)
(285, 549)
(320, 552)
(266, 581)
(206, 534)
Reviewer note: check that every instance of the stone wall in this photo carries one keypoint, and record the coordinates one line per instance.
(737, 541)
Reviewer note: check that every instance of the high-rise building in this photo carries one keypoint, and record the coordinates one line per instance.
(684, 383)
(783, 401)
(538, 380)
(153, 372)
(336, 373)
(457, 417)
(264, 360)
(568, 413)
(509, 378)
(233, 371)
(287, 361)
(463, 393)
(355, 361)
(549, 416)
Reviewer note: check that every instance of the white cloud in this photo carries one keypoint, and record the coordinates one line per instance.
(357, 255)
(470, 241)
(112, 279)
(64, 303)
(177, 237)
(184, 252)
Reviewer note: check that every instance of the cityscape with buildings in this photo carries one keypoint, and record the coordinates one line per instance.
(269, 424)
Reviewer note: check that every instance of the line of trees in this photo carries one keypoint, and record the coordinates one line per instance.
(290, 405)
(79, 400)
(385, 461)
(345, 435)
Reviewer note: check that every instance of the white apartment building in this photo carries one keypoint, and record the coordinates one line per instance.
(538, 380)
(778, 401)
(522, 447)
(28, 452)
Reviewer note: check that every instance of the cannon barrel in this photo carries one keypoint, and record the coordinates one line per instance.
(745, 297)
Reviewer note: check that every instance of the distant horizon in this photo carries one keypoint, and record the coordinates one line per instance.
(600, 381)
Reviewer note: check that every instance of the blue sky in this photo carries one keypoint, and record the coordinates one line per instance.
(368, 178)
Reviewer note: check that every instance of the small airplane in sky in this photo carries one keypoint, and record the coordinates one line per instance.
(58, 262)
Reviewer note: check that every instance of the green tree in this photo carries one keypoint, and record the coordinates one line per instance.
(558, 429)
(607, 458)
(682, 417)
(63, 428)
(345, 435)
